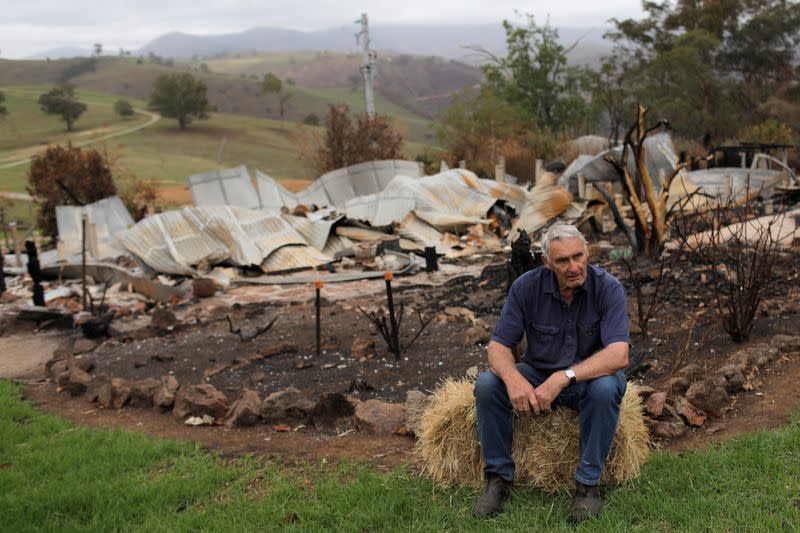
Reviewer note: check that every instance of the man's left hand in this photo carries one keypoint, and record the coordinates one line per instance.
(548, 391)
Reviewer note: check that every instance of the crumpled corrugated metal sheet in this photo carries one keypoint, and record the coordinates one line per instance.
(545, 202)
(176, 242)
(232, 186)
(251, 235)
(725, 181)
(294, 257)
(415, 229)
(173, 242)
(336, 187)
(380, 209)
(315, 232)
(453, 200)
(109, 217)
(660, 158)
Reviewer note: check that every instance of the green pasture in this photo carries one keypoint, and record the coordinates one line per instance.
(26, 128)
(60, 477)
(161, 152)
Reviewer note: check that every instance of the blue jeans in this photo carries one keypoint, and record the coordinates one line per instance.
(597, 401)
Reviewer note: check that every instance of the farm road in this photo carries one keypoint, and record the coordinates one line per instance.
(153, 118)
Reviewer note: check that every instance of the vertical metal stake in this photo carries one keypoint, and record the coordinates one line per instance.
(15, 240)
(83, 259)
(318, 287)
(2, 274)
(387, 276)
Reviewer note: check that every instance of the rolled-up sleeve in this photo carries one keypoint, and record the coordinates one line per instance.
(509, 328)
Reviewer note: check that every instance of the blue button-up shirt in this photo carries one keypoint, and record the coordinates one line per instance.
(560, 335)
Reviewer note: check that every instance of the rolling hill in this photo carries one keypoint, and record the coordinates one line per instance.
(410, 89)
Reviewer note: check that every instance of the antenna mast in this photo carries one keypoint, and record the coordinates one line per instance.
(368, 68)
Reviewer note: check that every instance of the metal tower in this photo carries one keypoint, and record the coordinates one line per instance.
(369, 67)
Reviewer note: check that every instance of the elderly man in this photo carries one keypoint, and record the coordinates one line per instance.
(576, 324)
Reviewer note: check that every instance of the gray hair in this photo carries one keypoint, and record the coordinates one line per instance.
(560, 231)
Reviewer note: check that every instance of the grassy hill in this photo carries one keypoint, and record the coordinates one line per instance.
(231, 92)
(423, 84)
(245, 130)
(162, 152)
(26, 128)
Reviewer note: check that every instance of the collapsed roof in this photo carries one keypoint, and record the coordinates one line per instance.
(359, 202)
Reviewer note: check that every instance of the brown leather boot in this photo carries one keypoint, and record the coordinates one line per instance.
(494, 496)
(586, 503)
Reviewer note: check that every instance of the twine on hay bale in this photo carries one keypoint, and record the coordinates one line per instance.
(545, 448)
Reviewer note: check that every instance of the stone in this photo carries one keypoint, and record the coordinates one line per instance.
(205, 420)
(275, 349)
(670, 430)
(786, 343)
(677, 384)
(362, 347)
(688, 412)
(692, 372)
(163, 320)
(764, 354)
(300, 363)
(645, 391)
(164, 396)
(84, 362)
(755, 355)
(203, 288)
(244, 411)
(120, 392)
(379, 418)
(59, 354)
(84, 345)
(93, 392)
(58, 368)
(472, 372)
(331, 408)
(734, 377)
(329, 343)
(257, 377)
(415, 405)
(198, 400)
(75, 381)
(287, 404)
(142, 392)
(476, 335)
(709, 395)
(655, 404)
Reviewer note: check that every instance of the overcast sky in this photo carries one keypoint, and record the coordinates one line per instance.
(31, 27)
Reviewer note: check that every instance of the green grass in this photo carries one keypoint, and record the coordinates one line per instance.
(163, 152)
(59, 477)
(26, 128)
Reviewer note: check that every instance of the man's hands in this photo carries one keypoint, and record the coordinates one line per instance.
(526, 399)
(548, 391)
(522, 395)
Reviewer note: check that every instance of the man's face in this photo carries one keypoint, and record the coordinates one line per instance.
(568, 261)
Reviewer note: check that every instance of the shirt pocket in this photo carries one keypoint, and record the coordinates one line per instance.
(546, 340)
(588, 338)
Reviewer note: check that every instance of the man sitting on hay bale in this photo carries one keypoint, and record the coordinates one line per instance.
(575, 320)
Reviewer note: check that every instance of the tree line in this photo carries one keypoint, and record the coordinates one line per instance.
(717, 69)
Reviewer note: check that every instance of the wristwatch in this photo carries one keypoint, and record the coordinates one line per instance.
(570, 375)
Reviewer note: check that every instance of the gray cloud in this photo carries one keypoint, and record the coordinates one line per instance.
(34, 27)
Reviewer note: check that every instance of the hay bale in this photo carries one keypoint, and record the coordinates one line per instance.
(545, 448)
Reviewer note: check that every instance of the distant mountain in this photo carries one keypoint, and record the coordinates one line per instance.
(63, 53)
(451, 42)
